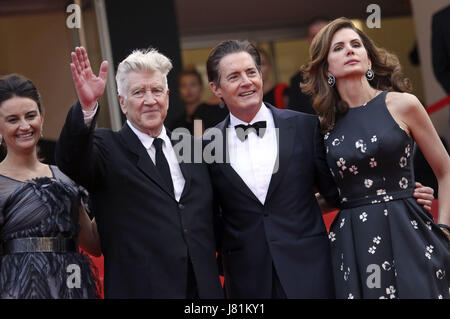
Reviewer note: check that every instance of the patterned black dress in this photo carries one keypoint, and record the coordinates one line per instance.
(43, 207)
(384, 245)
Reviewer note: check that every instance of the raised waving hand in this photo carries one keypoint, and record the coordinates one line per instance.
(89, 87)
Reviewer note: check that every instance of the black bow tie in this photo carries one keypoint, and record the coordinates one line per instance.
(242, 130)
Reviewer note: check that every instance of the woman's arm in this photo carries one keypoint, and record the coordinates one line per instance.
(410, 112)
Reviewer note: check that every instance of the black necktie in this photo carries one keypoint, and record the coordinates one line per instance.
(161, 164)
(242, 129)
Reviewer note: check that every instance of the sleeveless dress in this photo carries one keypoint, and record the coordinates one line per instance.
(43, 207)
(384, 245)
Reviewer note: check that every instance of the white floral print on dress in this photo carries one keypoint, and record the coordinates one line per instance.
(332, 236)
(391, 292)
(377, 240)
(403, 183)
(359, 144)
(363, 217)
(429, 251)
(368, 183)
(408, 150)
(403, 161)
(440, 274)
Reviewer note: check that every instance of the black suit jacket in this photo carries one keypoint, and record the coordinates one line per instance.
(146, 235)
(440, 44)
(288, 230)
(299, 101)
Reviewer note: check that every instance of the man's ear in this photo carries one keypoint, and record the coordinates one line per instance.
(123, 106)
(215, 89)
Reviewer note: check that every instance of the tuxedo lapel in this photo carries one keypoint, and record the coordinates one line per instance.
(285, 139)
(227, 169)
(144, 162)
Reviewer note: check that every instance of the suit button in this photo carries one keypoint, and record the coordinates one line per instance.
(180, 206)
(186, 231)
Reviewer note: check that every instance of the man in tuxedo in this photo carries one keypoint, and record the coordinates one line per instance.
(273, 240)
(154, 213)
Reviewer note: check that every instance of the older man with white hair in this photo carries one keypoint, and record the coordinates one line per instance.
(154, 213)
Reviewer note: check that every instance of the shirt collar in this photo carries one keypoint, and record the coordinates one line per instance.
(146, 139)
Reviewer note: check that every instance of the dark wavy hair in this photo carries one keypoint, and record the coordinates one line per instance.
(228, 47)
(326, 100)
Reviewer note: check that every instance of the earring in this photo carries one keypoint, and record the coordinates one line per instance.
(331, 80)
(370, 74)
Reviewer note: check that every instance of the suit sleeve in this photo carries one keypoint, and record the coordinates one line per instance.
(322, 176)
(79, 153)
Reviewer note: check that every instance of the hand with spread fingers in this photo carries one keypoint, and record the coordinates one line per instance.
(89, 87)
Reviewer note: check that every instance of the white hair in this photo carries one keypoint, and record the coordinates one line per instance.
(142, 60)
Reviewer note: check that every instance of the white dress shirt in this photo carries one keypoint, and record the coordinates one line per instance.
(254, 159)
(147, 141)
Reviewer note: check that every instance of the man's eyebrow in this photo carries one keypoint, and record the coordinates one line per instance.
(134, 87)
(232, 73)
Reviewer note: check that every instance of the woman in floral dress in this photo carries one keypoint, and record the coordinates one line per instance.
(384, 245)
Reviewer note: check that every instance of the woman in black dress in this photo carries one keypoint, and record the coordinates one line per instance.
(42, 219)
(384, 245)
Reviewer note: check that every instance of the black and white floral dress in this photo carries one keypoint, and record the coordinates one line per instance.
(384, 245)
